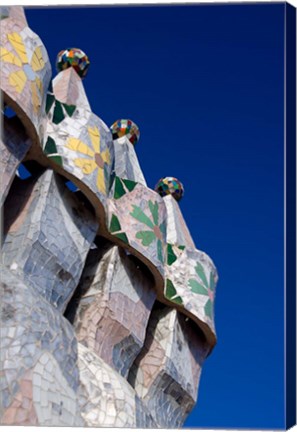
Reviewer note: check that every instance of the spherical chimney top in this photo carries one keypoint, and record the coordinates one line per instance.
(73, 57)
(170, 186)
(127, 128)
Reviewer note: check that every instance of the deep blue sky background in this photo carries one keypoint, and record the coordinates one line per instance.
(205, 85)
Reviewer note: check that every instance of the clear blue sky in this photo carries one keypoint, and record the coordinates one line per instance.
(205, 85)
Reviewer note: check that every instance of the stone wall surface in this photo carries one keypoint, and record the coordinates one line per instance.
(107, 307)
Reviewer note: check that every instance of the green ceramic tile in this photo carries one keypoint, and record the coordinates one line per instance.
(171, 257)
(119, 191)
(123, 237)
(114, 224)
(200, 272)
(57, 159)
(197, 288)
(208, 309)
(69, 109)
(50, 146)
(58, 113)
(49, 102)
(211, 282)
(130, 185)
(146, 237)
(154, 211)
(170, 293)
(160, 251)
(139, 215)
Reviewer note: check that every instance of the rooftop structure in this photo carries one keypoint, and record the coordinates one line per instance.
(108, 307)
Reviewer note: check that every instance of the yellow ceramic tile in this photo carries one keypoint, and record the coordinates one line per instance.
(39, 84)
(37, 62)
(78, 146)
(106, 156)
(17, 42)
(7, 57)
(87, 165)
(18, 80)
(101, 181)
(95, 138)
(35, 96)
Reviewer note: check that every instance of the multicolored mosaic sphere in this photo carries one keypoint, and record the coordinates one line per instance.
(73, 57)
(170, 186)
(123, 127)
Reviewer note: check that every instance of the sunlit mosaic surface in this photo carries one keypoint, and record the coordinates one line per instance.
(126, 162)
(75, 58)
(25, 70)
(76, 139)
(107, 312)
(170, 186)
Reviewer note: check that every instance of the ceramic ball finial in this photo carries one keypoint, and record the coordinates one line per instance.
(75, 58)
(126, 128)
(170, 186)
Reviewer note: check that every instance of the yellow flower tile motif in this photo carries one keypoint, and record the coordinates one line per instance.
(27, 70)
(94, 158)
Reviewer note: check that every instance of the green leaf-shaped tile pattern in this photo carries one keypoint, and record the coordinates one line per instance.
(212, 283)
(208, 309)
(154, 211)
(146, 237)
(200, 272)
(163, 228)
(157, 231)
(139, 215)
(160, 251)
(197, 288)
(204, 287)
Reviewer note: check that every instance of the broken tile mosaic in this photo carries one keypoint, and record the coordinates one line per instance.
(126, 128)
(75, 58)
(170, 186)
(87, 250)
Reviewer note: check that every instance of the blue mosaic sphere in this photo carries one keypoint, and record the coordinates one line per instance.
(73, 57)
(170, 186)
(124, 127)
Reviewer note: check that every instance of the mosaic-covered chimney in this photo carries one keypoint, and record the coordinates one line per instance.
(107, 307)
